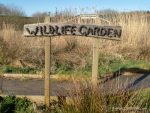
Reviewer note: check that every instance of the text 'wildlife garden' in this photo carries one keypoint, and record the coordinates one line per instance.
(78, 30)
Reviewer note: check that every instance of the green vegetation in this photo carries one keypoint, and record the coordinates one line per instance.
(11, 104)
(23, 70)
(126, 64)
(69, 70)
(107, 65)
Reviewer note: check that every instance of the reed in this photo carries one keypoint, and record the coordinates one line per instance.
(77, 51)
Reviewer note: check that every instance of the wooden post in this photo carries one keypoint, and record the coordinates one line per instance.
(95, 61)
(95, 58)
(47, 67)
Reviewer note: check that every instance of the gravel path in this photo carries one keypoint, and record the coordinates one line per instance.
(36, 87)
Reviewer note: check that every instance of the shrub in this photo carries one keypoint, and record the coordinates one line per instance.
(11, 104)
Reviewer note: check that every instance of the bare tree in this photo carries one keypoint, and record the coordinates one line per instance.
(11, 10)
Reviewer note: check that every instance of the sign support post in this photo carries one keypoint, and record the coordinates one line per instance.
(47, 67)
(94, 19)
(95, 61)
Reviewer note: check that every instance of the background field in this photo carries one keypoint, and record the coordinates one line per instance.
(73, 55)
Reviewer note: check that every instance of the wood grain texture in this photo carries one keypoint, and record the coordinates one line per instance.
(47, 89)
(47, 29)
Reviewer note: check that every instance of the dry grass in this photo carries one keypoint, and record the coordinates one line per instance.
(135, 35)
(102, 100)
(77, 51)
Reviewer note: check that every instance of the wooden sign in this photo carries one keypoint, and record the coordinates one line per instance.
(107, 32)
(48, 30)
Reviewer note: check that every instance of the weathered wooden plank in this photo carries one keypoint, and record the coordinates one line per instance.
(42, 29)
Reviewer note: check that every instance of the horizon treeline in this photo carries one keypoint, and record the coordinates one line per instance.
(7, 10)
(17, 17)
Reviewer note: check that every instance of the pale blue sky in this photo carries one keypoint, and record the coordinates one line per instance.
(32, 6)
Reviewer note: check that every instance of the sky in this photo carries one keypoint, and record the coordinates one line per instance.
(32, 6)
